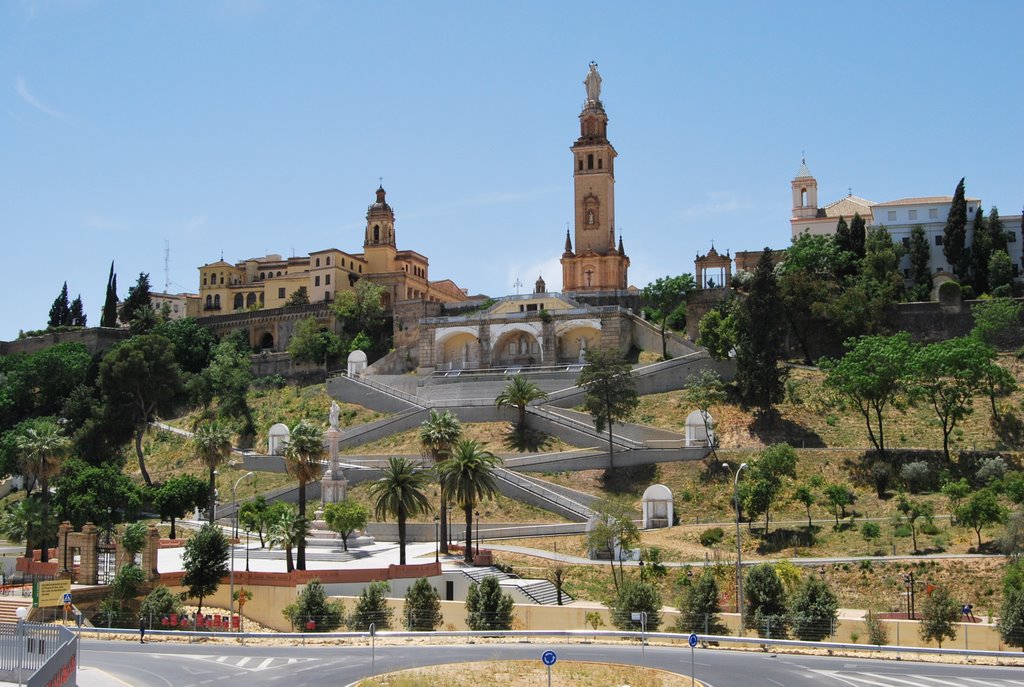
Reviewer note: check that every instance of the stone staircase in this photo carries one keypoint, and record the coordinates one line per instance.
(541, 592)
(10, 604)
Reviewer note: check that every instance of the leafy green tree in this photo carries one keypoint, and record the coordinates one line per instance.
(636, 597)
(948, 374)
(703, 392)
(299, 296)
(699, 608)
(180, 494)
(60, 311)
(839, 496)
(160, 602)
(43, 451)
(253, 514)
(804, 495)
(1011, 617)
(956, 491)
(39, 384)
(920, 271)
(759, 377)
(915, 513)
(312, 342)
(140, 380)
(873, 375)
(487, 607)
(717, 329)
(954, 234)
(127, 582)
(519, 392)
(870, 531)
(144, 321)
(285, 529)
(610, 391)
(764, 484)
(108, 316)
(400, 493)
(133, 539)
(312, 605)
(765, 597)
(663, 298)
(193, 343)
(809, 278)
(101, 494)
(981, 510)
(613, 532)
(422, 607)
(362, 308)
(345, 517)
(205, 562)
(1000, 273)
(139, 296)
(939, 615)
(813, 610)
(372, 607)
(78, 317)
(997, 321)
(438, 434)
(302, 458)
(211, 444)
(227, 379)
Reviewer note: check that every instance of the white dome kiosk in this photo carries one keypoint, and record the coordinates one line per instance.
(356, 363)
(657, 507)
(277, 439)
(699, 433)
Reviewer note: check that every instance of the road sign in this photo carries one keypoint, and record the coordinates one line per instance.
(549, 658)
(692, 640)
(49, 592)
(67, 598)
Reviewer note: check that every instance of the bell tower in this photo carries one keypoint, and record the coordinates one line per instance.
(379, 246)
(596, 265)
(805, 193)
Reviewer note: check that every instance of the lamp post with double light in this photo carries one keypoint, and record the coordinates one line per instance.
(437, 540)
(739, 551)
(231, 597)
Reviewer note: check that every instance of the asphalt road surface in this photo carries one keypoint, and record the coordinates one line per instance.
(184, 665)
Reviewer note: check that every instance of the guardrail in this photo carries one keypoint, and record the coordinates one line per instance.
(585, 427)
(585, 635)
(384, 388)
(541, 491)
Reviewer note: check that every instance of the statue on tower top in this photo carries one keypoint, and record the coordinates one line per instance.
(593, 83)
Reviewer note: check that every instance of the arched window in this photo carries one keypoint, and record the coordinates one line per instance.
(328, 259)
(216, 302)
(376, 233)
(600, 163)
(803, 197)
(327, 280)
(238, 301)
(209, 302)
(590, 161)
(263, 275)
(250, 300)
(318, 262)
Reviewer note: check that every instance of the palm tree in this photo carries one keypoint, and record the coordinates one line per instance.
(438, 434)
(468, 477)
(400, 493)
(287, 530)
(520, 392)
(211, 444)
(43, 450)
(25, 521)
(302, 458)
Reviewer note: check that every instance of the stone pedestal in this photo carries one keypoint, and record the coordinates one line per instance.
(333, 486)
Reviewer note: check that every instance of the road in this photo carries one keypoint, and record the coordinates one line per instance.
(184, 665)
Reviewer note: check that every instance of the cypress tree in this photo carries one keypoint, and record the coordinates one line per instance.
(920, 272)
(60, 311)
(996, 231)
(843, 238)
(978, 252)
(108, 316)
(954, 234)
(761, 337)
(138, 297)
(858, 233)
(77, 315)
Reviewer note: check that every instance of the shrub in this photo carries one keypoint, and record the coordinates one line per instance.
(711, 536)
(699, 607)
(917, 476)
(881, 475)
(372, 607)
(813, 610)
(487, 607)
(765, 598)
(312, 606)
(990, 470)
(422, 607)
(878, 633)
(870, 531)
(160, 602)
(635, 597)
(950, 292)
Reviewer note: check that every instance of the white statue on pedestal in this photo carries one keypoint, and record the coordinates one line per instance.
(335, 414)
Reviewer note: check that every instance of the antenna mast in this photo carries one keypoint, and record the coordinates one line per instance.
(167, 266)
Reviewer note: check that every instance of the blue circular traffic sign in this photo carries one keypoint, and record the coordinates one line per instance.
(548, 658)
(692, 640)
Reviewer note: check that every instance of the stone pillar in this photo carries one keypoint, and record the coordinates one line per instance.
(65, 558)
(150, 553)
(334, 486)
(89, 571)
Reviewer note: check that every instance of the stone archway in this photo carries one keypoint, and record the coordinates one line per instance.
(517, 347)
(575, 338)
(267, 341)
(457, 348)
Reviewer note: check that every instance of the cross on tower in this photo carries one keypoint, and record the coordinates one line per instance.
(518, 285)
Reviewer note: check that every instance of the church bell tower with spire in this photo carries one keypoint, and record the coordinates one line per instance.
(597, 264)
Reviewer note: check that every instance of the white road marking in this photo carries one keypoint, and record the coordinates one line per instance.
(244, 661)
(266, 662)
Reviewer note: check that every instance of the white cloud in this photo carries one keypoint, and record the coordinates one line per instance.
(22, 88)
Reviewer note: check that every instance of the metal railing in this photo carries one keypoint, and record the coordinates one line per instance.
(383, 388)
(540, 491)
(586, 428)
(26, 647)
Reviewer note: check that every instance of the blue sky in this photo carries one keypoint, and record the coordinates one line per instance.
(251, 127)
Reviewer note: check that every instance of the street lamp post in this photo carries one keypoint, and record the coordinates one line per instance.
(739, 553)
(477, 514)
(231, 597)
(437, 540)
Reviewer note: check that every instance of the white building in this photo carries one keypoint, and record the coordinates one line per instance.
(899, 217)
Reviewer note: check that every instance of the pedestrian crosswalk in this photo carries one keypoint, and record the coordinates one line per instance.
(253, 663)
(891, 679)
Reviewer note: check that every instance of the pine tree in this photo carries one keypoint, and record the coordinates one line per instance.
(60, 311)
(920, 271)
(77, 314)
(954, 235)
(858, 232)
(138, 297)
(759, 378)
(108, 316)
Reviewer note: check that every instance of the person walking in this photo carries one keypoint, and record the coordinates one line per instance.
(142, 629)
